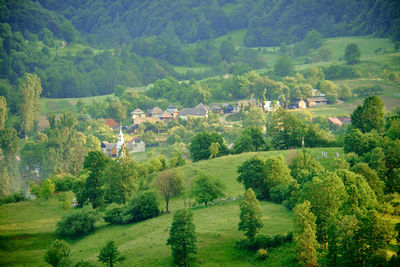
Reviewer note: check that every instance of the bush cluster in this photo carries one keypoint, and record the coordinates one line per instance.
(13, 198)
(141, 207)
(264, 242)
(77, 223)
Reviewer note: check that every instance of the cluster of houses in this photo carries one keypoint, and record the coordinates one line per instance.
(156, 114)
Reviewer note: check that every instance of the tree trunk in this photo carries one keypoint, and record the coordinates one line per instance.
(166, 205)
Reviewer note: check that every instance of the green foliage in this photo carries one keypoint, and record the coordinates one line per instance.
(47, 188)
(262, 254)
(96, 163)
(369, 116)
(323, 203)
(182, 237)
(77, 222)
(352, 54)
(169, 184)
(142, 206)
(115, 214)
(251, 139)
(121, 180)
(303, 167)
(250, 215)
(305, 235)
(369, 90)
(109, 254)
(313, 39)
(3, 112)
(285, 129)
(268, 177)
(200, 145)
(58, 250)
(28, 105)
(206, 190)
(283, 67)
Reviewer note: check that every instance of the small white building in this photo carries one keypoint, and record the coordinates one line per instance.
(272, 105)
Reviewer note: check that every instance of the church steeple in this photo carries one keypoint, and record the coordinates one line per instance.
(120, 140)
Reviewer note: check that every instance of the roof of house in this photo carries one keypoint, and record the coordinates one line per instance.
(171, 107)
(215, 106)
(201, 105)
(317, 99)
(345, 120)
(111, 123)
(193, 112)
(166, 114)
(138, 121)
(335, 121)
(156, 110)
(137, 111)
(133, 139)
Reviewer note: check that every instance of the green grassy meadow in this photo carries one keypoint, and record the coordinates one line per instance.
(27, 228)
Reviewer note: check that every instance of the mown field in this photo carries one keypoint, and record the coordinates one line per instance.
(27, 228)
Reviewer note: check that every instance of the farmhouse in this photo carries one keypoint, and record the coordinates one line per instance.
(316, 101)
(166, 116)
(138, 113)
(155, 112)
(193, 112)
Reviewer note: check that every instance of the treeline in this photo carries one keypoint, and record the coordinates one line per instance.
(269, 23)
(289, 21)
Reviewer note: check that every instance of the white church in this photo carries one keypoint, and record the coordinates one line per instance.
(113, 149)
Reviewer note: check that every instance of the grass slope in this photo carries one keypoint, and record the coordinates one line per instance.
(27, 228)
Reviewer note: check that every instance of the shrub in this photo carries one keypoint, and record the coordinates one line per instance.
(114, 214)
(58, 250)
(142, 206)
(262, 254)
(65, 183)
(77, 223)
(13, 198)
(47, 189)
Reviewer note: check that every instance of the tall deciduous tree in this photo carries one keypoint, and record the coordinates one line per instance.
(206, 190)
(305, 235)
(369, 116)
(96, 163)
(284, 66)
(250, 215)
(182, 237)
(352, 54)
(109, 254)
(286, 130)
(122, 180)
(28, 101)
(3, 112)
(264, 175)
(200, 145)
(169, 184)
(323, 202)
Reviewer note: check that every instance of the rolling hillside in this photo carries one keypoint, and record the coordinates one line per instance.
(28, 227)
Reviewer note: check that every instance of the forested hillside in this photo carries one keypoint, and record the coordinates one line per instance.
(84, 48)
(270, 22)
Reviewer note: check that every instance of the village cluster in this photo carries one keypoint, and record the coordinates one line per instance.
(157, 115)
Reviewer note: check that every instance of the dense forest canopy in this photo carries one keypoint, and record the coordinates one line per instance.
(269, 22)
